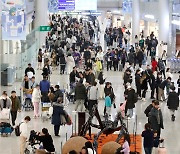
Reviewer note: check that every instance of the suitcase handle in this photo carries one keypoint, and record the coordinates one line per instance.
(161, 143)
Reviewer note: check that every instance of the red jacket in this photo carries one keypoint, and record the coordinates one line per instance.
(154, 65)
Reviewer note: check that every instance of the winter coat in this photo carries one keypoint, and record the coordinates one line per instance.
(58, 93)
(80, 91)
(156, 123)
(130, 99)
(144, 85)
(8, 103)
(173, 101)
(140, 56)
(131, 57)
(16, 104)
(137, 80)
(57, 111)
(36, 95)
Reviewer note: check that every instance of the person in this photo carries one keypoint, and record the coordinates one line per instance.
(101, 85)
(148, 109)
(36, 99)
(27, 86)
(40, 55)
(72, 152)
(69, 63)
(108, 58)
(15, 107)
(29, 69)
(80, 95)
(126, 144)
(58, 110)
(154, 64)
(136, 40)
(46, 70)
(130, 101)
(44, 87)
(98, 67)
(164, 57)
(156, 118)
(62, 64)
(161, 67)
(148, 136)
(158, 81)
(144, 86)
(5, 101)
(161, 88)
(108, 104)
(178, 82)
(45, 138)
(89, 147)
(173, 102)
(84, 150)
(140, 57)
(24, 133)
(58, 93)
(93, 95)
(138, 83)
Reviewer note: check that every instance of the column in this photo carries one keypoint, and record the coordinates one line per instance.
(41, 17)
(164, 20)
(1, 50)
(135, 18)
(102, 24)
(146, 28)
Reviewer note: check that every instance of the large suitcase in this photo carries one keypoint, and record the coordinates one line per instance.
(161, 149)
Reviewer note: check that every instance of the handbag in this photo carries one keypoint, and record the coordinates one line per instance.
(114, 105)
(5, 114)
(63, 120)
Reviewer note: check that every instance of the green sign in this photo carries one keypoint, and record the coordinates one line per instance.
(45, 28)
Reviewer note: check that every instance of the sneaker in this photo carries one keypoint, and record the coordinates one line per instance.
(143, 99)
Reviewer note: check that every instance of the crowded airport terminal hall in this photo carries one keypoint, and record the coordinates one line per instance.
(89, 76)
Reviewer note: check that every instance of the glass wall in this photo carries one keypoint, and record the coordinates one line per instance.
(20, 53)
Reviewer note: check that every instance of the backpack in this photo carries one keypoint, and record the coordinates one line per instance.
(17, 129)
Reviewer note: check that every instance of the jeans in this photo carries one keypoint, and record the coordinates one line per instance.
(130, 112)
(161, 94)
(148, 150)
(109, 65)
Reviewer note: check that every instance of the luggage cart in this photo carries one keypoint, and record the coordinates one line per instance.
(45, 111)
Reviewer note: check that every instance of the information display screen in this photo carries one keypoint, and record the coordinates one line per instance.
(68, 5)
(72, 5)
(85, 5)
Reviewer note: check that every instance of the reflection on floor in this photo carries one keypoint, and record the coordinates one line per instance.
(171, 134)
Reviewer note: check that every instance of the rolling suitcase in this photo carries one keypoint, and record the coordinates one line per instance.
(161, 149)
(120, 67)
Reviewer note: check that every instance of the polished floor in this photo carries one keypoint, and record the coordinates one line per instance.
(171, 134)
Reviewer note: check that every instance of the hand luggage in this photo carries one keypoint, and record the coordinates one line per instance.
(5, 128)
(120, 67)
(162, 149)
(5, 114)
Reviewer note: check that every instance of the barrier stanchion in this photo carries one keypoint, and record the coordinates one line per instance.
(66, 137)
(75, 124)
(61, 147)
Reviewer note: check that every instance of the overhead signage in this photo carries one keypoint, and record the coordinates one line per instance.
(45, 28)
(66, 5)
(72, 5)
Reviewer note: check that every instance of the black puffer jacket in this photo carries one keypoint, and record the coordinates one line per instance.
(173, 101)
(80, 91)
(130, 104)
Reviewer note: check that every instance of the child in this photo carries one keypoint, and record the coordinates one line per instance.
(108, 104)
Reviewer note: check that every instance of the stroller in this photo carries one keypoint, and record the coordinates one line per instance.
(32, 144)
(27, 102)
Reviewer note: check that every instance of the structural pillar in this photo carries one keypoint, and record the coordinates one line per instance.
(41, 17)
(1, 48)
(164, 19)
(102, 24)
(135, 18)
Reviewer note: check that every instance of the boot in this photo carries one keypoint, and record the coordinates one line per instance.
(173, 117)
